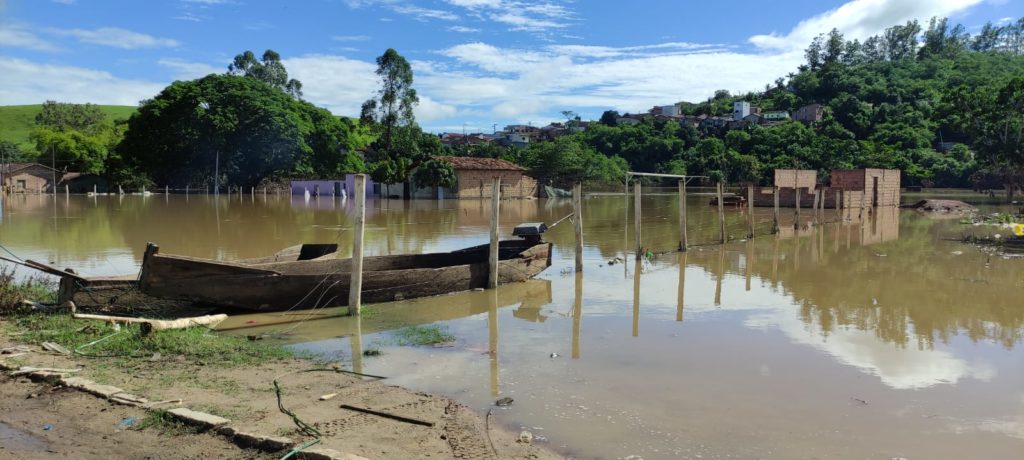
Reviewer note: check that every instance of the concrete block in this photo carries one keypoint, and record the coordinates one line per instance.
(202, 419)
(89, 386)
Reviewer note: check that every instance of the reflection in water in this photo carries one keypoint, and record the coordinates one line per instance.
(682, 285)
(787, 328)
(492, 337)
(636, 296)
(577, 315)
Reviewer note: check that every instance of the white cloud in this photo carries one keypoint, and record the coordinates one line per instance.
(192, 17)
(340, 84)
(27, 82)
(15, 36)
(463, 29)
(350, 38)
(184, 70)
(424, 14)
(64, 2)
(860, 19)
(117, 37)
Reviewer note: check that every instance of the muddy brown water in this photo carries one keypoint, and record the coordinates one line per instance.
(864, 337)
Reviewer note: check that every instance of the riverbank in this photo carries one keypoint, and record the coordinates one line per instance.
(246, 382)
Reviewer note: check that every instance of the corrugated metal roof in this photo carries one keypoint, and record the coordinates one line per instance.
(490, 164)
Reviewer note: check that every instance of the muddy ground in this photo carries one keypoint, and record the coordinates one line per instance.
(40, 421)
(85, 426)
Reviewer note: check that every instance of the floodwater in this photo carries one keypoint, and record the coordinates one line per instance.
(866, 337)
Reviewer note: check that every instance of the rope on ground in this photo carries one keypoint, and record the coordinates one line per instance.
(305, 428)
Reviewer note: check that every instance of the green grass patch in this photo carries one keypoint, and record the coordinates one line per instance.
(13, 291)
(165, 423)
(423, 335)
(17, 121)
(129, 347)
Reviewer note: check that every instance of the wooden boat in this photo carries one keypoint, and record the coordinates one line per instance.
(324, 281)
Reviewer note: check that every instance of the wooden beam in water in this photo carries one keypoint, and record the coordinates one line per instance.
(356, 279)
(682, 215)
(636, 218)
(775, 217)
(492, 276)
(750, 209)
(577, 216)
(721, 214)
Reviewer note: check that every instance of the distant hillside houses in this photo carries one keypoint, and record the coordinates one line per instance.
(517, 135)
(744, 114)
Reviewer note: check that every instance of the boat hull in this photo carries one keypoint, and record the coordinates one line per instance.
(325, 281)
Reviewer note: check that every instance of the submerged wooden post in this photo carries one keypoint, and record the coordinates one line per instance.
(120, 190)
(636, 217)
(796, 213)
(577, 315)
(253, 192)
(750, 209)
(93, 189)
(67, 190)
(167, 190)
(356, 278)
(492, 274)
(682, 215)
(186, 189)
(775, 217)
(721, 215)
(839, 204)
(577, 217)
(814, 206)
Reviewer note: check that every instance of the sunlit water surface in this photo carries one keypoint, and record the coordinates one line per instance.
(864, 337)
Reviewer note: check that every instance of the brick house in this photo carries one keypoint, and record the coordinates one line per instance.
(474, 176)
(28, 178)
(873, 187)
(811, 113)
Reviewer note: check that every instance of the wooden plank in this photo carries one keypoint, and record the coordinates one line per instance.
(750, 209)
(355, 287)
(492, 281)
(721, 214)
(636, 217)
(577, 212)
(682, 215)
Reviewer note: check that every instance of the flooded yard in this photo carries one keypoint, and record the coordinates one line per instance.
(867, 336)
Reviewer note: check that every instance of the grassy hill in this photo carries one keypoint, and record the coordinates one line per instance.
(17, 121)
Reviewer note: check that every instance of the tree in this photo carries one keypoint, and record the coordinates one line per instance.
(10, 152)
(268, 69)
(254, 130)
(436, 173)
(396, 151)
(65, 116)
(609, 118)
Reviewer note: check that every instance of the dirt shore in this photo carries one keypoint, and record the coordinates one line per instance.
(86, 426)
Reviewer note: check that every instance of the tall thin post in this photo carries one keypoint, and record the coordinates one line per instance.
(492, 275)
(120, 190)
(750, 209)
(796, 213)
(636, 218)
(356, 278)
(814, 205)
(721, 214)
(94, 189)
(186, 189)
(775, 217)
(577, 216)
(682, 215)
(67, 190)
(839, 204)
(252, 193)
(577, 315)
(167, 190)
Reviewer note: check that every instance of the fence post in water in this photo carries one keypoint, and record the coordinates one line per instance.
(750, 209)
(814, 205)
(721, 214)
(356, 280)
(167, 190)
(775, 217)
(682, 215)
(492, 273)
(67, 190)
(636, 217)
(577, 217)
(120, 190)
(796, 213)
(93, 189)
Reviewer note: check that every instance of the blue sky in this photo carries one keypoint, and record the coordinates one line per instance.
(476, 62)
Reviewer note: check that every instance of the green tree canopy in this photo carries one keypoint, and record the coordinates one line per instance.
(257, 131)
(268, 69)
